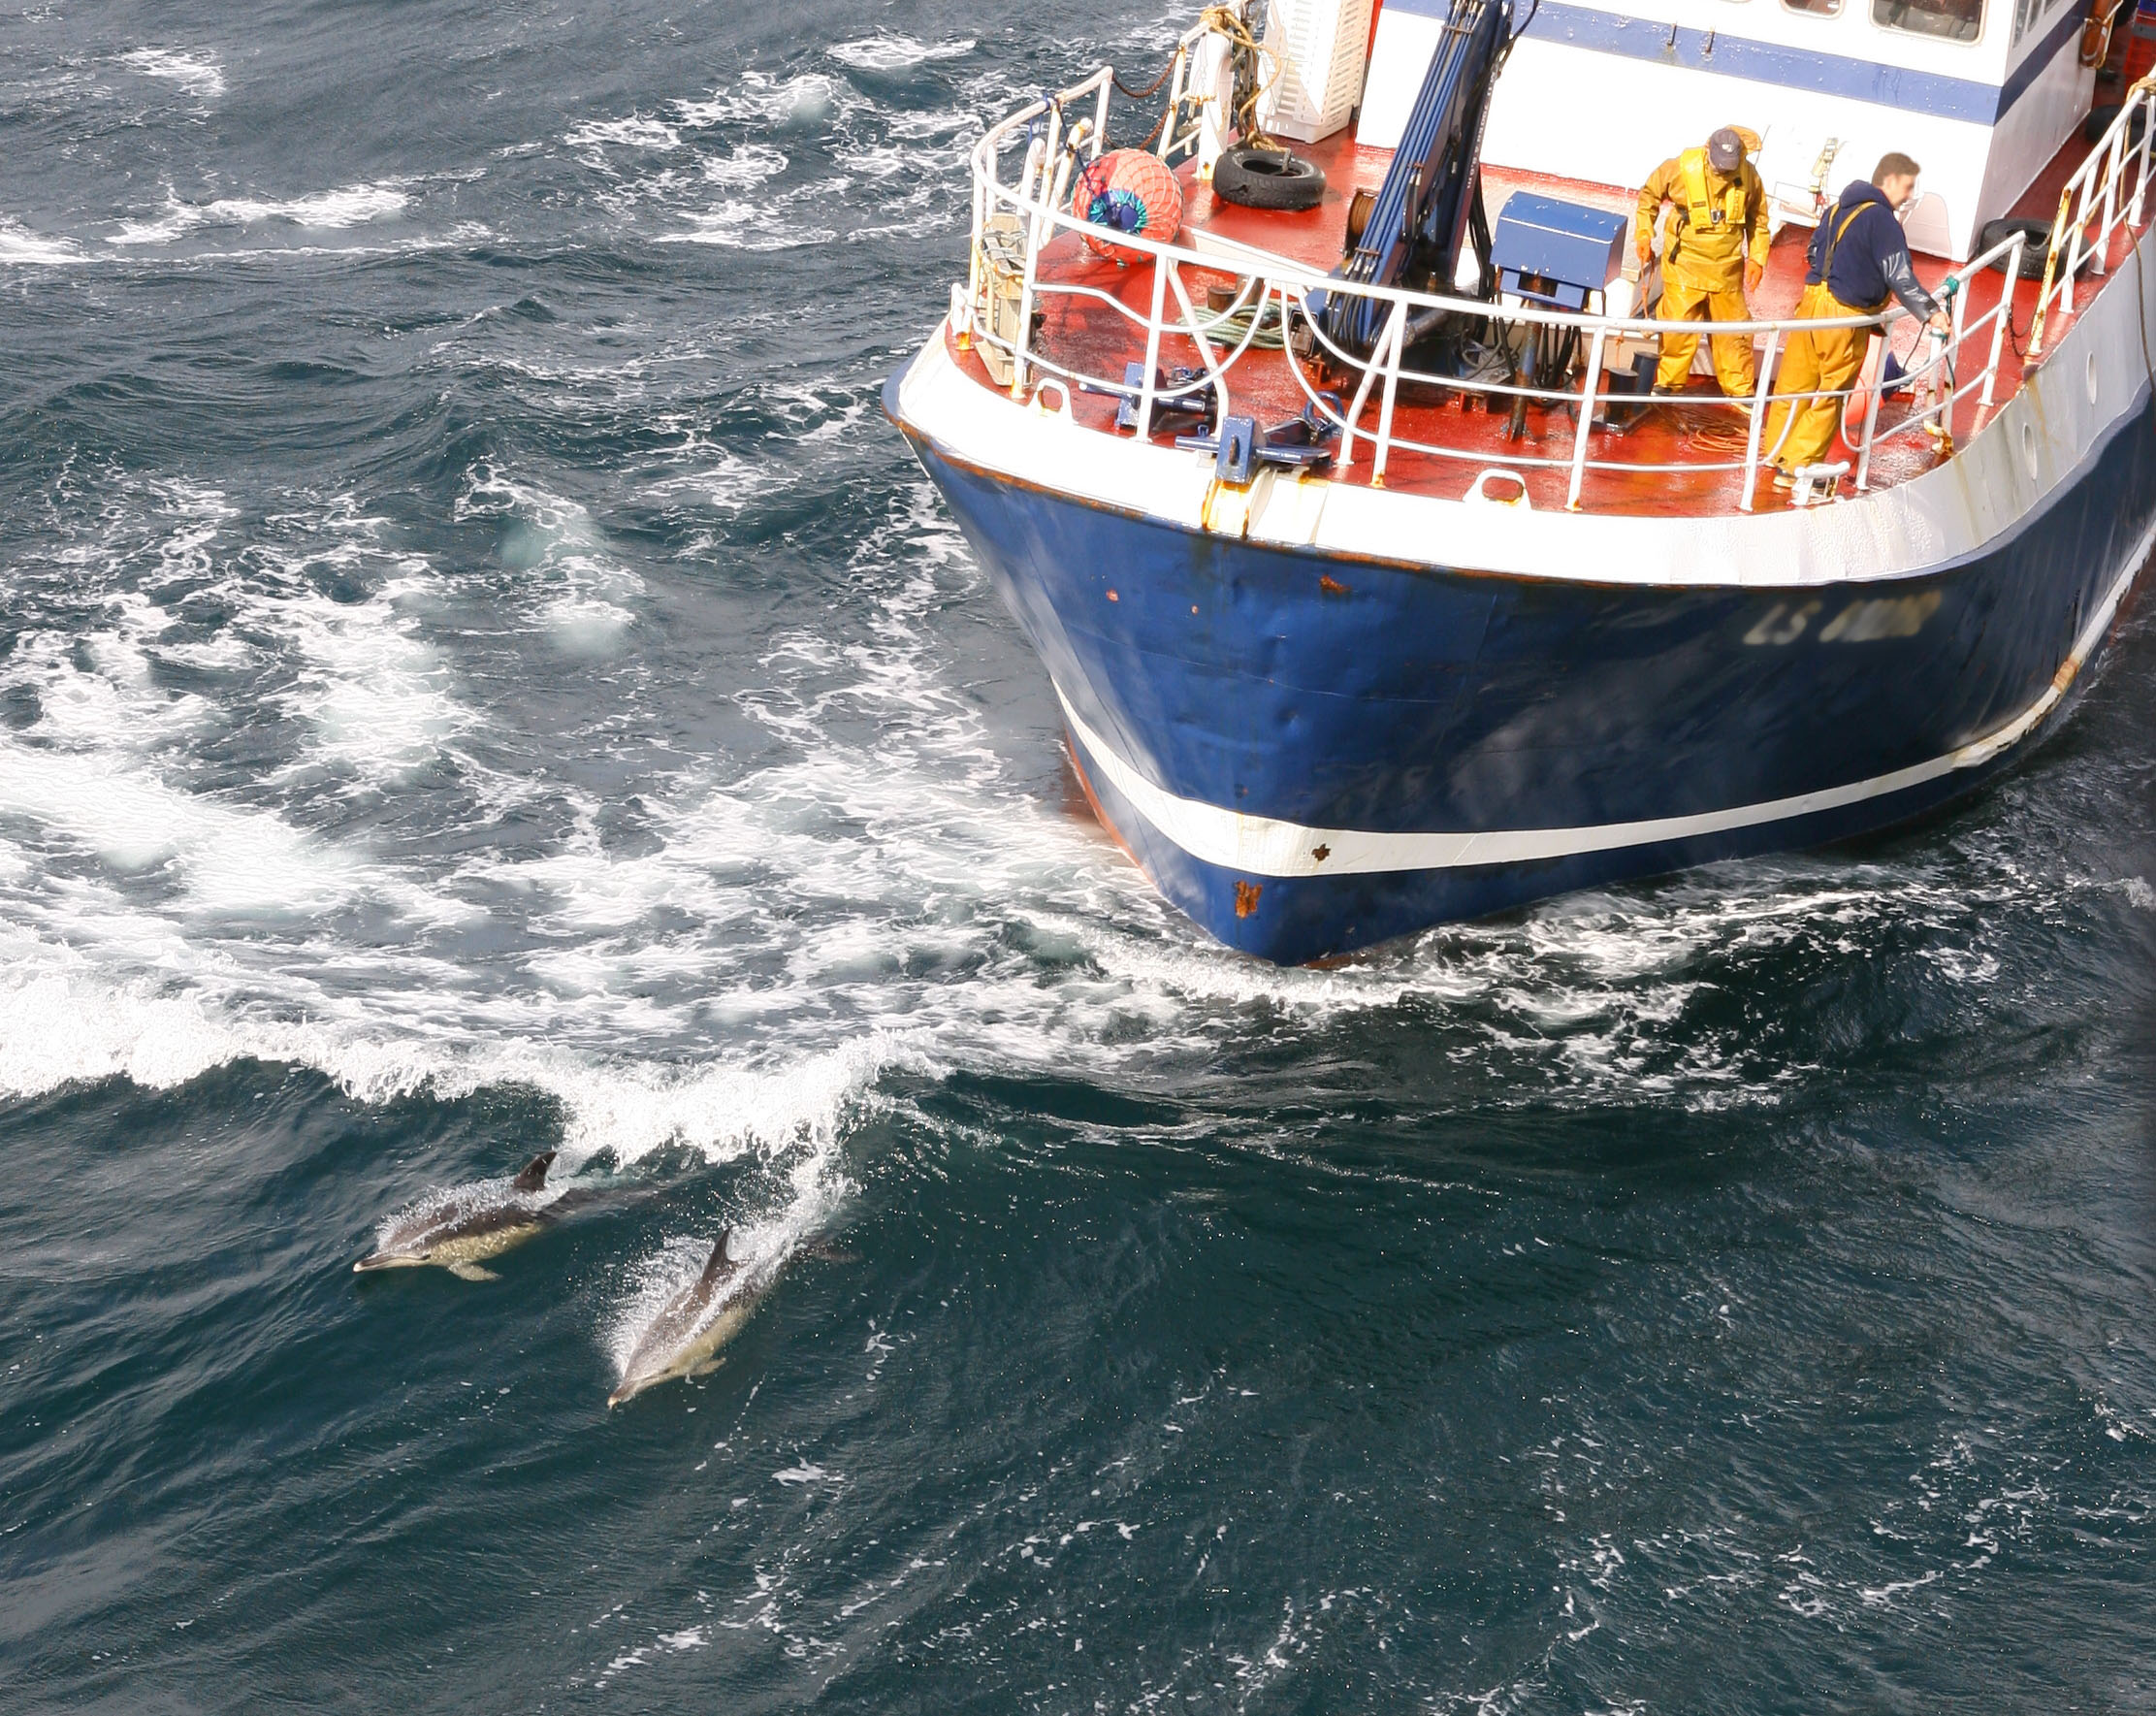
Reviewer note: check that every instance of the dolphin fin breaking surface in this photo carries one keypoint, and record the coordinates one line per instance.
(460, 1227)
(684, 1338)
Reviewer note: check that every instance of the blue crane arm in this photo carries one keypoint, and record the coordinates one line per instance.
(1423, 211)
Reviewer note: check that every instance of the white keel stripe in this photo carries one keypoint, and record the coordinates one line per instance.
(1263, 846)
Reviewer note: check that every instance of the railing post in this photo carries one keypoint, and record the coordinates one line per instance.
(1361, 397)
(1354, 412)
(1029, 180)
(1586, 418)
(1392, 349)
(1199, 340)
(2073, 236)
(1152, 346)
(1945, 372)
(2051, 277)
(1178, 76)
(2112, 169)
(984, 200)
(1761, 395)
(2000, 313)
(1100, 112)
(2141, 178)
(1037, 236)
(1029, 170)
(1870, 419)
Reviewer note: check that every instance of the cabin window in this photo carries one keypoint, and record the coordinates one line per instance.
(1816, 7)
(1957, 21)
(2026, 12)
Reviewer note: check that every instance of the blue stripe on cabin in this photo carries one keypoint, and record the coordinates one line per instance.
(1718, 51)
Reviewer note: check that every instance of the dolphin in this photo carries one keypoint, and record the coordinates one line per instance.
(697, 1321)
(461, 1228)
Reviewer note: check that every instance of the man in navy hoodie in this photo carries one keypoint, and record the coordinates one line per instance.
(1859, 260)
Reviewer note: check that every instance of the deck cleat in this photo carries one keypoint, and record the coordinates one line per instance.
(1815, 485)
(1303, 442)
(1179, 394)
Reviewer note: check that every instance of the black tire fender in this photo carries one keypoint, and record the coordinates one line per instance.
(2034, 253)
(2100, 120)
(1267, 179)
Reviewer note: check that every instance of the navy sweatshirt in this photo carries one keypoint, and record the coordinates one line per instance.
(1872, 259)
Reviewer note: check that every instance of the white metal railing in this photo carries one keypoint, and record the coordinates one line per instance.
(1182, 120)
(1272, 289)
(2094, 206)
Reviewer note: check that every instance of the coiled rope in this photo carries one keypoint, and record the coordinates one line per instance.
(1226, 21)
(1271, 332)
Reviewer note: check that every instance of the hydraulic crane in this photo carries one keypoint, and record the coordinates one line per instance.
(1429, 204)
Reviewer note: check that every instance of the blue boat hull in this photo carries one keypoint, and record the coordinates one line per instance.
(1313, 691)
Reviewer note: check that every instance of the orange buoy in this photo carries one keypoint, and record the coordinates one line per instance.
(1128, 191)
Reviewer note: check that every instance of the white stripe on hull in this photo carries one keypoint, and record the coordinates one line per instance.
(1265, 846)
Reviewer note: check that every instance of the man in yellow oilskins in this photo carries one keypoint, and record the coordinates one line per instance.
(1715, 253)
(1859, 260)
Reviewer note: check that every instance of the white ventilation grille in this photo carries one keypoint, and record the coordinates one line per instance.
(1320, 45)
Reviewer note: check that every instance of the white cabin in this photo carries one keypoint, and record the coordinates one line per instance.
(1981, 92)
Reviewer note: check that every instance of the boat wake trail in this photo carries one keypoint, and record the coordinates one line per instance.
(729, 949)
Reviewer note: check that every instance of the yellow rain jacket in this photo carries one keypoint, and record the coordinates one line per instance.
(1715, 228)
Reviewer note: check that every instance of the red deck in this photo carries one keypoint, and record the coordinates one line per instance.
(1090, 338)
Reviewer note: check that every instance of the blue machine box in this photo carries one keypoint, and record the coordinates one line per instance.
(1554, 253)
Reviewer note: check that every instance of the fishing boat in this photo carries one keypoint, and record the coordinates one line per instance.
(1308, 436)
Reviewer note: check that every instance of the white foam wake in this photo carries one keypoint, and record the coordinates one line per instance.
(883, 52)
(748, 165)
(195, 72)
(348, 206)
(724, 941)
(65, 1021)
(589, 594)
(735, 225)
(635, 132)
(22, 246)
(806, 100)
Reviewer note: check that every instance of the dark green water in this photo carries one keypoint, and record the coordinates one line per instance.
(477, 673)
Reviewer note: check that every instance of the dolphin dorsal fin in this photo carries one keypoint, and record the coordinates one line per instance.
(533, 1176)
(718, 1266)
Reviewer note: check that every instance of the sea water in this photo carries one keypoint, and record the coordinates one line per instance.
(478, 674)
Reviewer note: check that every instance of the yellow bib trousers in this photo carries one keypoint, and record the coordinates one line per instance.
(1828, 359)
(1688, 297)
